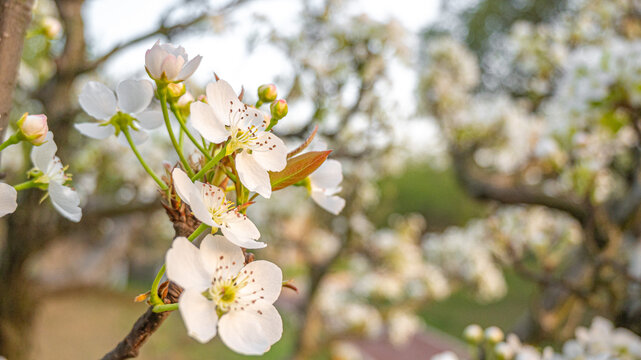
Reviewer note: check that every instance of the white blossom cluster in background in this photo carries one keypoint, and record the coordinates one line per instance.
(598, 342)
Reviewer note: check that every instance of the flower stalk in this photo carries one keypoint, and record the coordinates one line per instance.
(151, 173)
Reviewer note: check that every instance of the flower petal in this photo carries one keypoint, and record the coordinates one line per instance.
(183, 185)
(332, 203)
(206, 123)
(134, 95)
(97, 100)
(189, 68)
(252, 175)
(199, 208)
(264, 281)
(138, 137)
(43, 155)
(8, 196)
(251, 332)
(171, 66)
(151, 119)
(199, 315)
(153, 59)
(241, 231)
(221, 257)
(95, 130)
(327, 176)
(270, 152)
(222, 98)
(185, 267)
(65, 200)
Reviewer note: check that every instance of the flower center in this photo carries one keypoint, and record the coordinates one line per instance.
(218, 213)
(223, 293)
(241, 139)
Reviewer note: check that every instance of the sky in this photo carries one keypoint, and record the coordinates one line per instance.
(225, 52)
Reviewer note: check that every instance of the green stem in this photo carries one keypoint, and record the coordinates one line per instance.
(183, 126)
(26, 185)
(160, 183)
(213, 162)
(165, 307)
(154, 298)
(162, 94)
(12, 140)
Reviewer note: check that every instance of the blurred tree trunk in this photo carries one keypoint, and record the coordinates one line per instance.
(15, 16)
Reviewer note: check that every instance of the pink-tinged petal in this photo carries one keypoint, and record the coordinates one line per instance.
(183, 185)
(97, 100)
(153, 60)
(185, 267)
(8, 196)
(65, 200)
(151, 119)
(199, 209)
(332, 203)
(199, 315)
(189, 68)
(270, 152)
(327, 176)
(241, 231)
(43, 155)
(175, 50)
(264, 282)
(171, 66)
(253, 175)
(137, 136)
(220, 257)
(134, 95)
(206, 123)
(223, 100)
(96, 131)
(251, 332)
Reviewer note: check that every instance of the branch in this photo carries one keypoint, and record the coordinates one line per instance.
(506, 191)
(163, 29)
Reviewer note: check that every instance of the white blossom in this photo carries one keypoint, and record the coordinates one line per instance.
(325, 184)
(170, 62)
(222, 295)
(130, 102)
(64, 199)
(209, 205)
(226, 117)
(8, 196)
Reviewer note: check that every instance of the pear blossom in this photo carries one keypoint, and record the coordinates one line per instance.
(169, 62)
(8, 196)
(226, 117)
(221, 295)
(133, 97)
(51, 172)
(325, 184)
(209, 205)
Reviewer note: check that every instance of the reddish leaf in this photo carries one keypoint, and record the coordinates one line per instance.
(298, 168)
(304, 144)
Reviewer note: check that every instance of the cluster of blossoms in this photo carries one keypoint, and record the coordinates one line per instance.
(47, 174)
(236, 158)
(600, 341)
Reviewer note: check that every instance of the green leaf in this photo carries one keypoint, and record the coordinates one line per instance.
(298, 168)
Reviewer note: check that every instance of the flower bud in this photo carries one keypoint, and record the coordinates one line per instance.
(186, 99)
(52, 27)
(503, 351)
(168, 63)
(494, 335)
(278, 109)
(473, 334)
(267, 93)
(176, 90)
(34, 128)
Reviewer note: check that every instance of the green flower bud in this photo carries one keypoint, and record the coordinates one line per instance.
(473, 334)
(176, 90)
(494, 335)
(267, 93)
(278, 109)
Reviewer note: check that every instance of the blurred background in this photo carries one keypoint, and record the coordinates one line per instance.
(490, 149)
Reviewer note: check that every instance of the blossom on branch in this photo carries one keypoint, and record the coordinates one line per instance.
(226, 117)
(223, 296)
(209, 205)
(133, 97)
(50, 172)
(169, 62)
